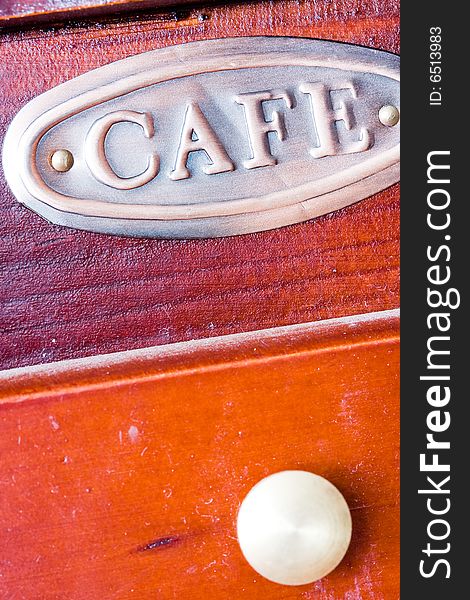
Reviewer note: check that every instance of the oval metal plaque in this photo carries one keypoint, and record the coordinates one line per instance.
(210, 138)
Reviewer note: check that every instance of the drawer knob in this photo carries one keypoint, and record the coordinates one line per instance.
(294, 527)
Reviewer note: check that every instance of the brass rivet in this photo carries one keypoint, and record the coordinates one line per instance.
(389, 115)
(62, 160)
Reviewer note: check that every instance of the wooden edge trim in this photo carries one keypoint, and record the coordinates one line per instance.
(41, 13)
(122, 368)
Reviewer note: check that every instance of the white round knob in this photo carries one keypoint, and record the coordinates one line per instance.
(294, 527)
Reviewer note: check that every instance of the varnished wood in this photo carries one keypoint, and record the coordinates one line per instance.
(20, 13)
(69, 294)
(122, 475)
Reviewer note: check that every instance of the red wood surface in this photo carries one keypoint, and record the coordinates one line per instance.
(66, 294)
(122, 475)
(16, 13)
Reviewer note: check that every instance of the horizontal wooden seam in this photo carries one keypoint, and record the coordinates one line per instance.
(216, 354)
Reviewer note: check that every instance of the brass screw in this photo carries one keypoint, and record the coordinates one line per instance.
(62, 160)
(389, 115)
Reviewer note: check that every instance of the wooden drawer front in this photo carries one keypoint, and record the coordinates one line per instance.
(122, 475)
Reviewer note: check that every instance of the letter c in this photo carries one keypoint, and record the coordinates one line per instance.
(95, 154)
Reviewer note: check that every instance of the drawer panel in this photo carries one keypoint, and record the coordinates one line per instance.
(122, 475)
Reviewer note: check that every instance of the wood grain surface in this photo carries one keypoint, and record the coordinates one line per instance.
(122, 475)
(18, 13)
(66, 294)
